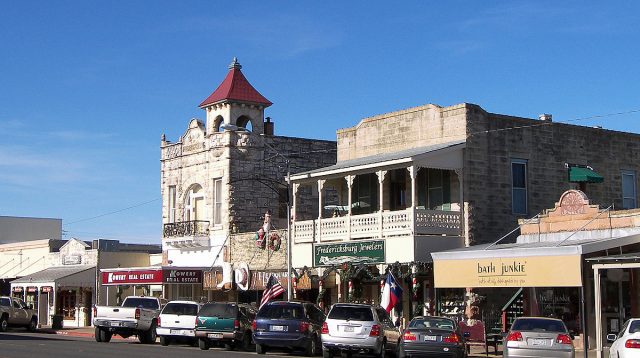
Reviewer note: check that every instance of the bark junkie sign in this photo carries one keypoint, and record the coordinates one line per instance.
(354, 252)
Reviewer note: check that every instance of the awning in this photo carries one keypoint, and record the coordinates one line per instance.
(72, 275)
(584, 175)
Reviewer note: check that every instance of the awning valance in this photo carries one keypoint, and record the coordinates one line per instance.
(584, 175)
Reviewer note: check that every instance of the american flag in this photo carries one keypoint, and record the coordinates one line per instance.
(273, 290)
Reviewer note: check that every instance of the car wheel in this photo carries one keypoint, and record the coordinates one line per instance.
(228, 346)
(401, 352)
(326, 353)
(311, 348)
(152, 335)
(261, 349)
(345, 354)
(164, 340)
(4, 323)
(97, 335)
(246, 341)
(104, 336)
(383, 350)
(203, 344)
(33, 325)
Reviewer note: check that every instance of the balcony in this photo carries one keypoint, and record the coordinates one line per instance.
(407, 222)
(186, 234)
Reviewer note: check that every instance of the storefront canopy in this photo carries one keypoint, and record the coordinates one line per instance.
(584, 175)
(72, 275)
(539, 264)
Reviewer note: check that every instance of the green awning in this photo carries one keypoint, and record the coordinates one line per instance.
(584, 175)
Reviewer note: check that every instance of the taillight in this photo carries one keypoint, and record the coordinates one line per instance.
(564, 339)
(236, 324)
(632, 343)
(452, 338)
(159, 322)
(137, 314)
(375, 331)
(325, 328)
(95, 311)
(304, 326)
(514, 336)
(195, 324)
(254, 325)
(408, 336)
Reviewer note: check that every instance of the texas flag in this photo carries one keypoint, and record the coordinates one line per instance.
(391, 293)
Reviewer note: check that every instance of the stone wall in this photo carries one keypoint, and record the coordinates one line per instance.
(242, 248)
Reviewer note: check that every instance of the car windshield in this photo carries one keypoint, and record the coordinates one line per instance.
(181, 309)
(281, 312)
(538, 324)
(219, 310)
(432, 322)
(150, 303)
(351, 313)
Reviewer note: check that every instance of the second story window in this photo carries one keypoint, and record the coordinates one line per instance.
(519, 186)
(172, 204)
(194, 208)
(217, 201)
(628, 189)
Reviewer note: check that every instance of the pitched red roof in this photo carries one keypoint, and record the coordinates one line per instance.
(236, 87)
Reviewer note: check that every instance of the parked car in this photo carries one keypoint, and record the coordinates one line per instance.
(14, 312)
(138, 315)
(358, 328)
(432, 336)
(538, 337)
(177, 321)
(225, 323)
(626, 343)
(287, 324)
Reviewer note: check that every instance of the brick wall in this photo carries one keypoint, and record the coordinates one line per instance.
(242, 248)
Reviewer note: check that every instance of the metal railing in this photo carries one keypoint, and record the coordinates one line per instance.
(186, 228)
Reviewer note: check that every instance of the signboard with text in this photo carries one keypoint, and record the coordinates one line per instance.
(182, 276)
(152, 277)
(355, 252)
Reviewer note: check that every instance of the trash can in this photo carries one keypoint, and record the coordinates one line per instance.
(56, 322)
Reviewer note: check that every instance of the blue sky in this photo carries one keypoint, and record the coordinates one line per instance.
(87, 88)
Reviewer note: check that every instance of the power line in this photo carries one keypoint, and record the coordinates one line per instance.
(114, 212)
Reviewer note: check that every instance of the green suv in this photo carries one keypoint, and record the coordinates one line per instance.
(225, 323)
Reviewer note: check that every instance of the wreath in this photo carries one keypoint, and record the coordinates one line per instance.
(274, 241)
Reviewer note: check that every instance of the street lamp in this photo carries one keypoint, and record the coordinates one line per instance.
(234, 128)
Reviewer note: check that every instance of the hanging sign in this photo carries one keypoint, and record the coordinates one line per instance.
(32, 289)
(18, 289)
(46, 289)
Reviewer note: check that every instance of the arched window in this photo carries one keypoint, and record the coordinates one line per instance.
(194, 204)
(245, 122)
(217, 122)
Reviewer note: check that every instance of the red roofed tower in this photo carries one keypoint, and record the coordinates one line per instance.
(236, 102)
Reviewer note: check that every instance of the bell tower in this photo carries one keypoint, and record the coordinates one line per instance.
(235, 102)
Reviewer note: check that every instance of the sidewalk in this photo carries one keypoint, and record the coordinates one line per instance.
(76, 332)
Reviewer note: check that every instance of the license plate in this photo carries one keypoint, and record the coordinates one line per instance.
(214, 335)
(538, 342)
(348, 329)
(175, 331)
(278, 328)
(430, 338)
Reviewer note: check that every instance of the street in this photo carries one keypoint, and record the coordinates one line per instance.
(20, 344)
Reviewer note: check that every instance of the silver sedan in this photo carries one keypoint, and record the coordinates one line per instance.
(538, 337)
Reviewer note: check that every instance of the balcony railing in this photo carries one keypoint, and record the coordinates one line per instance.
(394, 223)
(186, 228)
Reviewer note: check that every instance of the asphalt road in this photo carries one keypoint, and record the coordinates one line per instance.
(20, 344)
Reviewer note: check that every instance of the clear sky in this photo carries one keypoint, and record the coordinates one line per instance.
(87, 88)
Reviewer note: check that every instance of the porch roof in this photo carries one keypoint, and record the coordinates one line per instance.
(380, 160)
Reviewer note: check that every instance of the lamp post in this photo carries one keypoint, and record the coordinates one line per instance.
(234, 128)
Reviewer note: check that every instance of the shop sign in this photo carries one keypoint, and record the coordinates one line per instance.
(32, 289)
(524, 271)
(212, 279)
(182, 276)
(46, 289)
(18, 289)
(354, 252)
(259, 279)
(133, 277)
(304, 282)
(71, 260)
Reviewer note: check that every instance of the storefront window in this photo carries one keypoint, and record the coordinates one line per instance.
(68, 304)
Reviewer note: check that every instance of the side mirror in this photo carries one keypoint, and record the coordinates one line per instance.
(466, 334)
(611, 337)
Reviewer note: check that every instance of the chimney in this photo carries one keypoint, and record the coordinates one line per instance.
(268, 126)
(545, 117)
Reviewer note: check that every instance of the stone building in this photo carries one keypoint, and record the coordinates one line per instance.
(433, 178)
(218, 186)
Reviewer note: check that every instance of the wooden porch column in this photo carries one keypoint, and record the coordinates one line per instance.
(320, 186)
(381, 174)
(294, 190)
(349, 179)
(463, 209)
(413, 170)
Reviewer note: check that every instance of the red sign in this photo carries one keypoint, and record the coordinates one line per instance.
(46, 289)
(132, 277)
(32, 289)
(182, 276)
(17, 289)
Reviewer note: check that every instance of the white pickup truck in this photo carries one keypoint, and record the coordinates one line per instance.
(137, 315)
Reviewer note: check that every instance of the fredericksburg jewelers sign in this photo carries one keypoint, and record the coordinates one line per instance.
(354, 252)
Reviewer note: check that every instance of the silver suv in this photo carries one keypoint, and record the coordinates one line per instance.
(358, 328)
